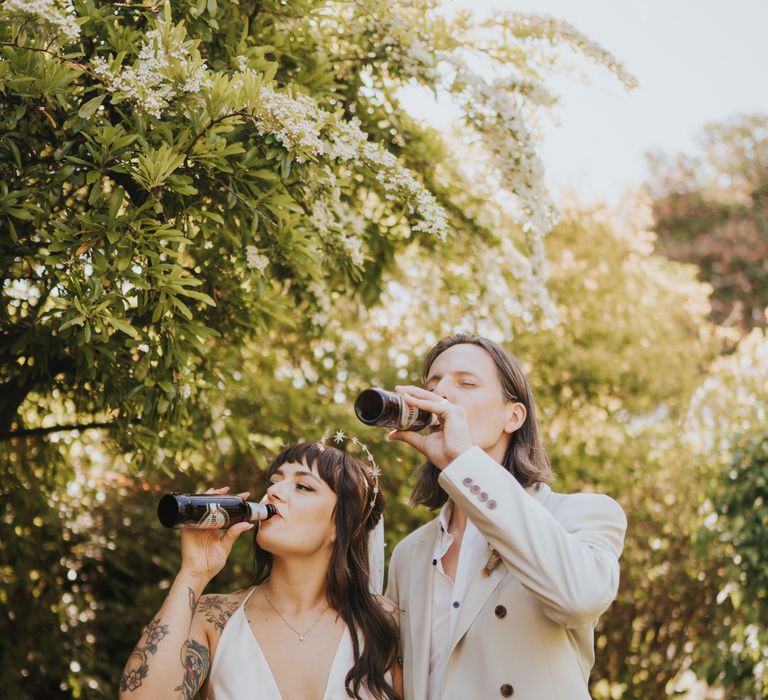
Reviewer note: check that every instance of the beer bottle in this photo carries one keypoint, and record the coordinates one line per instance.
(390, 409)
(209, 511)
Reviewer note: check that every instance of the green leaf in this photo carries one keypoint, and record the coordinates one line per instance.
(200, 296)
(87, 110)
(19, 213)
(75, 321)
(124, 257)
(15, 154)
(114, 203)
(182, 307)
(123, 326)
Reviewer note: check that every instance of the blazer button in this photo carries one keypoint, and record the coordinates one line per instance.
(507, 690)
(500, 611)
(483, 496)
(467, 481)
(491, 504)
(475, 489)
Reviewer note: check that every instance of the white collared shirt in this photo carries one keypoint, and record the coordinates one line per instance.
(447, 595)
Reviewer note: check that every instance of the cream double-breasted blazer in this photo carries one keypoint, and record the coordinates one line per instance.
(526, 630)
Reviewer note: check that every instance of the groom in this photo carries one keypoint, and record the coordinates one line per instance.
(500, 594)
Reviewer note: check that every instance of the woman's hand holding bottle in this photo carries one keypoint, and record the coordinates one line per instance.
(204, 552)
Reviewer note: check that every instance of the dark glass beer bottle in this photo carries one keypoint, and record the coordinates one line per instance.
(209, 511)
(390, 409)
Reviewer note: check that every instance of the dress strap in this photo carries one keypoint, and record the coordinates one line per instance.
(250, 593)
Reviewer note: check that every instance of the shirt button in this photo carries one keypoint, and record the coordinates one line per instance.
(434, 562)
(500, 611)
(483, 496)
(467, 481)
(475, 489)
(506, 690)
(456, 603)
(491, 504)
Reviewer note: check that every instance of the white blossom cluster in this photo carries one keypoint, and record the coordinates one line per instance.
(307, 130)
(353, 246)
(497, 115)
(164, 68)
(332, 217)
(321, 215)
(325, 311)
(533, 92)
(406, 30)
(407, 47)
(556, 32)
(295, 121)
(346, 140)
(255, 260)
(59, 14)
(398, 181)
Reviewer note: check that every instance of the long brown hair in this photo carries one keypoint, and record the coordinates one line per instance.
(525, 457)
(347, 584)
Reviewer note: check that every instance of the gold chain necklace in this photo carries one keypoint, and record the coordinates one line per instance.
(300, 635)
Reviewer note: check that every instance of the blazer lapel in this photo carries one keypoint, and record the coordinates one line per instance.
(481, 587)
(479, 590)
(421, 576)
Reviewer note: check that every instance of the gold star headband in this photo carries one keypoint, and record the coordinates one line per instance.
(373, 469)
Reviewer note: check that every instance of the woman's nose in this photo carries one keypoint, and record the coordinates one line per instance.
(275, 491)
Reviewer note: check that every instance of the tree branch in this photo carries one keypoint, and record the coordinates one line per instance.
(76, 64)
(29, 432)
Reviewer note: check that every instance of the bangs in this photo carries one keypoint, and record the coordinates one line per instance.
(329, 461)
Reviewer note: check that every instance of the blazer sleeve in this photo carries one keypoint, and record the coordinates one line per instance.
(568, 558)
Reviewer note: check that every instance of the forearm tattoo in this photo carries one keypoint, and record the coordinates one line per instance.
(217, 610)
(137, 668)
(197, 661)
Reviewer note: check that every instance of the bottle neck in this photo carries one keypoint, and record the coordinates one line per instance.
(260, 511)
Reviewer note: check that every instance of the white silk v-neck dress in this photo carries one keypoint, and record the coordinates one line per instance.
(240, 670)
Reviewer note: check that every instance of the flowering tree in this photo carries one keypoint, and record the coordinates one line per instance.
(176, 179)
(191, 196)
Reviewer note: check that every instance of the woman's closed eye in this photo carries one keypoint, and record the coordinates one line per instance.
(299, 486)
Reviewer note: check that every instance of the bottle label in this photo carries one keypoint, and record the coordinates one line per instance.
(215, 518)
(408, 415)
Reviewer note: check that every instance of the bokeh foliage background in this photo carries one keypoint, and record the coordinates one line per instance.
(217, 225)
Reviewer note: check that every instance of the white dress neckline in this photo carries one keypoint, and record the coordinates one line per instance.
(268, 668)
(240, 667)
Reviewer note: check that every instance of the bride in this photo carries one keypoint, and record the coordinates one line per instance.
(309, 628)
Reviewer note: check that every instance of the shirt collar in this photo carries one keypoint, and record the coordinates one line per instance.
(444, 517)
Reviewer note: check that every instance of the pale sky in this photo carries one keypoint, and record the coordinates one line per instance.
(696, 60)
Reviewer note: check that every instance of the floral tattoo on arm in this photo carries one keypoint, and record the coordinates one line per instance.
(136, 671)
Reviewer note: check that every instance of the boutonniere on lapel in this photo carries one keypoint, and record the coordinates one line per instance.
(492, 563)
